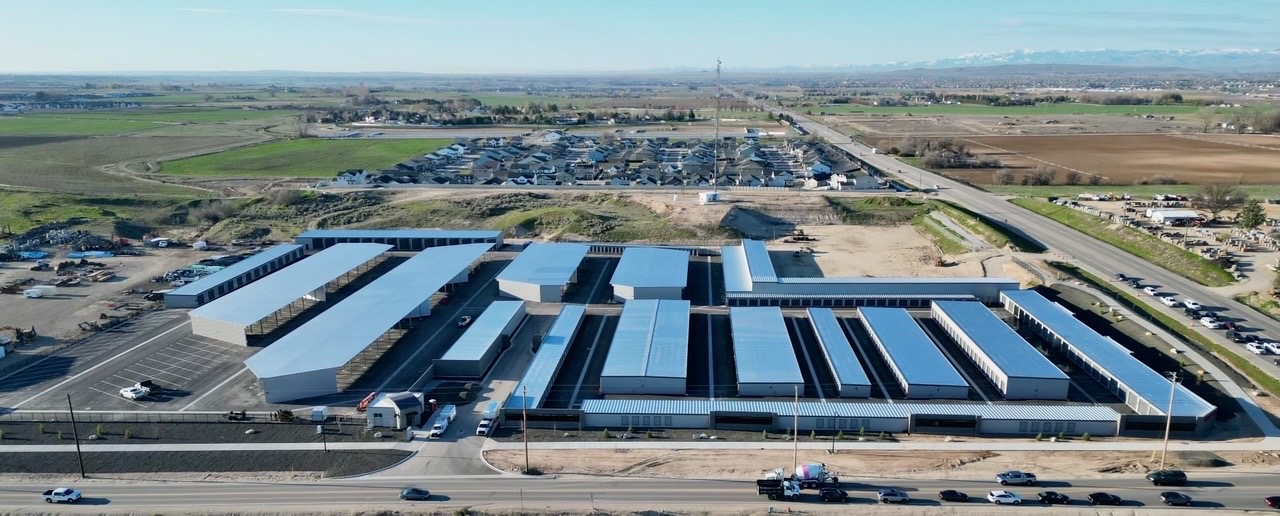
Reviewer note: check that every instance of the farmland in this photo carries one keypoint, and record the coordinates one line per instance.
(121, 122)
(303, 158)
(1130, 159)
(980, 109)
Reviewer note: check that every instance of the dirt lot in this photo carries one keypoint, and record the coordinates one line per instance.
(58, 317)
(746, 465)
(875, 251)
(899, 126)
(1130, 158)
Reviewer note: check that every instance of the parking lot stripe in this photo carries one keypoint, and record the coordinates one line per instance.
(171, 366)
(99, 364)
(214, 389)
(192, 355)
(161, 353)
(164, 371)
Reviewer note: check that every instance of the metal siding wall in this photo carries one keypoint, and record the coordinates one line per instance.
(855, 391)
(768, 389)
(219, 330)
(549, 293)
(288, 388)
(171, 301)
(1037, 389)
(526, 291)
(623, 292)
(931, 392)
(642, 385)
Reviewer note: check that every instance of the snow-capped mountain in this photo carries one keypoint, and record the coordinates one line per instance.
(1213, 60)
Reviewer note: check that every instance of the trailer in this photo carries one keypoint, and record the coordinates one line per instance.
(447, 413)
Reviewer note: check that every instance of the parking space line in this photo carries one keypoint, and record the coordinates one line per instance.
(99, 364)
(195, 356)
(117, 395)
(116, 386)
(163, 371)
(173, 366)
(191, 350)
(210, 343)
(215, 388)
(161, 353)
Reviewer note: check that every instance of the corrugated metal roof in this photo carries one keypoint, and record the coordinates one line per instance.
(762, 351)
(1010, 352)
(1129, 371)
(652, 267)
(485, 332)
(259, 299)
(545, 264)
(213, 280)
(758, 261)
(1012, 283)
(737, 279)
(546, 363)
(400, 233)
(835, 345)
(652, 340)
(854, 409)
(747, 295)
(337, 335)
(908, 349)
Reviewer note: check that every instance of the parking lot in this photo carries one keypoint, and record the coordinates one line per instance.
(183, 370)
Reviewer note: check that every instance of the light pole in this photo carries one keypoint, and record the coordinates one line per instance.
(1168, 416)
(75, 434)
(524, 424)
(795, 431)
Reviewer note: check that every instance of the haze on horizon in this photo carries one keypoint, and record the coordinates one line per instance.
(511, 36)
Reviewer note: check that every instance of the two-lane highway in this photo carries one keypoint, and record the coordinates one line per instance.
(584, 493)
(1084, 251)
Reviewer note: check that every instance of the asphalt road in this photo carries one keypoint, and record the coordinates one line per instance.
(1237, 492)
(1088, 253)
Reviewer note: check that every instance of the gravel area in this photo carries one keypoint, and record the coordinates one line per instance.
(668, 435)
(334, 463)
(164, 433)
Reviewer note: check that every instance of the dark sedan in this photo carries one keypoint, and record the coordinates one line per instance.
(1104, 499)
(1272, 502)
(951, 495)
(1052, 497)
(1174, 498)
(413, 493)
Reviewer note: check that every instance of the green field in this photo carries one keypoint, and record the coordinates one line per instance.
(49, 126)
(978, 109)
(1138, 243)
(20, 211)
(122, 121)
(304, 158)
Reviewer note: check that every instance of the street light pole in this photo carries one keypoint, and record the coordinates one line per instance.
(524, 424)
(75, 434)
(1168, 416)
(795, 431)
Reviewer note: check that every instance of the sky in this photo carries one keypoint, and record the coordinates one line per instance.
(549, 36)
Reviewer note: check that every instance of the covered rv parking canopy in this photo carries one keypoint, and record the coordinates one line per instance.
(399, 239)
(236, 275)
(332, 350)
(651, 273)
(265, 305)
(650, 349)
(542, 272)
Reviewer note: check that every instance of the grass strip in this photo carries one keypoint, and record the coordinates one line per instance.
(988, 229)
(1184, 333)
(947, 241)
(1138, 243)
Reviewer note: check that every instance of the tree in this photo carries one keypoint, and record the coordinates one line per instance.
(692, 115)
(1208, 117)
(1041, 175)
(1217, 198)
(1071, 177)
(1095, 179)
(1251, 215)
(1004, 176)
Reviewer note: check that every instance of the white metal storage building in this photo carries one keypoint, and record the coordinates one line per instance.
(265, 305)
(400, 239)
(536, 383)
(650, 349)
(332, 350)
(473, 352)
(849, 417)
(846, 369)
(236, 275)
(763, 357)
(651, 273)
(1012, 364)
(916, 361)
(542, 272)
(1142, 389)
(750, 280)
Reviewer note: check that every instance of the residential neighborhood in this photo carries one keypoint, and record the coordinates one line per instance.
(560, 159)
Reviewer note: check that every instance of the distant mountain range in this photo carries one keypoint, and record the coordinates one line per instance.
(1222, 60)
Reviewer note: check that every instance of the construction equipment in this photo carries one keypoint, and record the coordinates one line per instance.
(21, 336)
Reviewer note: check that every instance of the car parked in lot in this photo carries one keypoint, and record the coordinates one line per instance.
(1104, 499)
(1004, 498)
(1272, 347)
(464, 321)
(1210, 323)
(1167, 477)
(1256, 348)
(1169, 301)
(413, 493)
(1230, 325)
(1119, 276)
(1052, 497)
(1134, 283)
(1150, 291)
(134, 392)
(1192, 314)
(892, 495)
(1174, 498)
(951, 495)
(1191, 303)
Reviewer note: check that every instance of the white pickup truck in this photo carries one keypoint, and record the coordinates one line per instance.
(447, 413)
(61, 494)
(1016, 477)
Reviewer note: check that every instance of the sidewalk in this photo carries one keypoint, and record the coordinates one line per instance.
(1270, 444)
(189, 447)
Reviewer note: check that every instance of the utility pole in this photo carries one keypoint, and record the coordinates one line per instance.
(75, 434)
(795, 431)
(715, 166)
(1168, 416)
(524, 423)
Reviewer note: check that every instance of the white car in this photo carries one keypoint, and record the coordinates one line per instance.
(1004, 497)
(1210, 323)
(464, 321)
(134, 392)
(1150, 291)
(1256, 348)
(1273, 347)
(1191, 303)
(1169, 301)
